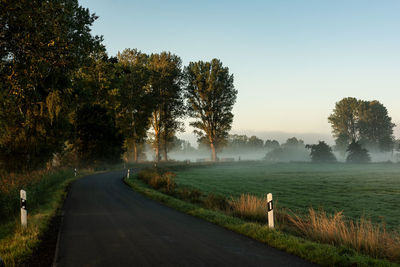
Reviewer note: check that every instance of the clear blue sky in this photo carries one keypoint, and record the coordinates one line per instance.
(292, 60)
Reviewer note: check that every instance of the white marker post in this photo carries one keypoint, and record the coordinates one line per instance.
(75, 171)
(24, 212)
(270, 211)
(127, 176)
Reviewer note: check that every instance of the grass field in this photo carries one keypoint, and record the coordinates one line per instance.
(371, 190)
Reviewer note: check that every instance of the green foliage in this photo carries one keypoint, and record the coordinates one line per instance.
(42, 43)
(166, 81)
(321, 152)
(211, 95)
(98, 140)
(357, 154)
(364, 121)
(133, 99)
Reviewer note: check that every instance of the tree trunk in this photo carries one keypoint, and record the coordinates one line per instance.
(165, 153)
(213, 152)
(157, 148)
(135, 152)
(165, 149)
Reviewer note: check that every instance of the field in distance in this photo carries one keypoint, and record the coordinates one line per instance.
(370, 190)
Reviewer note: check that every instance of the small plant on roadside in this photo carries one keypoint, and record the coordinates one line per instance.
(189, 194)
(216, 202)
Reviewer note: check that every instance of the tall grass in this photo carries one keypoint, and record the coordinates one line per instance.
(249, 207)
(38, 186)
(362, 235)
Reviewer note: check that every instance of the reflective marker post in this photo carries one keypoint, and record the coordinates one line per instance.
(270, 211)
(127, 176)
(24, 212)
(75, 172)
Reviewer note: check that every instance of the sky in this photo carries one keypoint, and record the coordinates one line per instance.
(292, 60)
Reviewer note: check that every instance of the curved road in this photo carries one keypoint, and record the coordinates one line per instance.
(108, 224)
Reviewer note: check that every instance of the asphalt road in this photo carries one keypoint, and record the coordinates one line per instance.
(108, 224)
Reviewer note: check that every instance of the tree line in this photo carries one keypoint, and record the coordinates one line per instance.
(63, 96)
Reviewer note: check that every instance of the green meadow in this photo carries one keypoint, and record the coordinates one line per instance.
(370, 190)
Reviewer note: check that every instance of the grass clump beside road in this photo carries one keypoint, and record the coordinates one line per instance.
(232, 213)
(45, 194)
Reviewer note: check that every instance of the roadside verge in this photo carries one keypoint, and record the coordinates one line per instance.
(323, 254)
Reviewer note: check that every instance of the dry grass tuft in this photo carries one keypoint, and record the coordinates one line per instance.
(157, 180)
(363, 235)
(249, 207)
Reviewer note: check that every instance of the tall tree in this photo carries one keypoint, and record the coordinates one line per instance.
(165, 81)
(364, 121)
(41, 44)
(344, 122)
(375, 126)
(211, 95)
(133, 99)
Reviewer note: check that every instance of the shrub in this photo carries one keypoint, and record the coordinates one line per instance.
(216, 202)
(189, 194)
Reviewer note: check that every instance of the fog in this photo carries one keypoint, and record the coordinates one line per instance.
(292, 150)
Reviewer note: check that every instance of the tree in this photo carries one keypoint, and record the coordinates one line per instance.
(344, 122)
(292, 150)
(375, 126)
(165, 81)
(321, 152)
(271, 144)
(211, 95)
(255, 143)
(364, 121)
(98, 140)
(357, 154)
(133, 99)
(42, 43)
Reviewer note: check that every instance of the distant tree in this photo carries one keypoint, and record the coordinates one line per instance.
(375, 126)
(237, 142)
(271, 144)
(211, 95)
(166, 85)
(364, 121)
(321, 152)
(357, 154)
(292, 150)
(344, 122)
(255, 143)
(293, 143)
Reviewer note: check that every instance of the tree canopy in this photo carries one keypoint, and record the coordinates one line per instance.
(365, 121)
(210, 95)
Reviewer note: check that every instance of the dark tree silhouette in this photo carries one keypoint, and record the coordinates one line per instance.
(321, 152)
(357, 154)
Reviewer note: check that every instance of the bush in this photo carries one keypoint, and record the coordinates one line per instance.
(157, 180)
(188, 194)
(216, 202)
